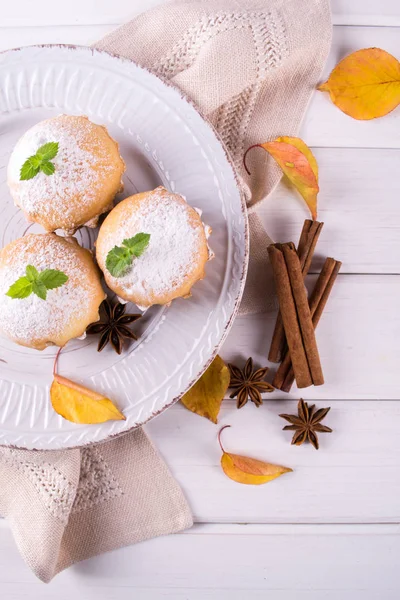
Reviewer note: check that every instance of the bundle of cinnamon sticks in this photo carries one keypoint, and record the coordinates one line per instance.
(293, 342)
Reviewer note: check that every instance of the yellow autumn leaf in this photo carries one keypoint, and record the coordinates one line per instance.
(298, 164)
(249, 471)
(206, 395)
(78, 404)
(366, 84)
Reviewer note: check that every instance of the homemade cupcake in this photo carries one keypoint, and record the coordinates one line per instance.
(65, 172)
(152, 248)
(50, 290)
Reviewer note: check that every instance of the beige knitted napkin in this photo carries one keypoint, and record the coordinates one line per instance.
(251, 66)
(70, 505)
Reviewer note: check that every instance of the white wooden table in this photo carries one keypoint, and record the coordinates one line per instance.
(330, 529)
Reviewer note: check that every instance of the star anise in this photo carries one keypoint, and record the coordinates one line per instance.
(248, 384)
(306, 424)
(113, 326)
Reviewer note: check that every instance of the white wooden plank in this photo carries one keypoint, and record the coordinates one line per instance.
(226, 562)
(15, 37)
(359, 203)
(353, 478)
(324, 124)
(75, 12)
(23, 13)
(366, 12)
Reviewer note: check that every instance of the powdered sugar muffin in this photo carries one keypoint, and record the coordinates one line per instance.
(64, 172)
(174, 258)
(50, 290)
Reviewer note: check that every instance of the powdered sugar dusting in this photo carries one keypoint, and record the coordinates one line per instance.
(171, 256)
(33, 318)
(78, 171)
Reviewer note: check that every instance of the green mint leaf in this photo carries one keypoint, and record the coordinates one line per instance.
(22, 288)
(47, 151)
(47, 167)
(52, 278)
(35, 161)
(137, 244)
(31, 273)
(36, 282)
(28, 170)
(118, 260)
(40, 162)
(39, 289)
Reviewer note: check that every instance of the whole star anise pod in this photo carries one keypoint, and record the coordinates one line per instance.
(247, 383)
(113, 326)
(306, 424)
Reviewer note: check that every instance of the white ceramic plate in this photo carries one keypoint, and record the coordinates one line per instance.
(163, 140)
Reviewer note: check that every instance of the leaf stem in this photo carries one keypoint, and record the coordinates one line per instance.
(219, 437)
(56, 360)
(245, 156)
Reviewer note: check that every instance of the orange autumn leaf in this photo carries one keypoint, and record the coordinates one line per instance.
(298, 164)
(249, 471)
(78, 404)
(366, 84)
(206, 395)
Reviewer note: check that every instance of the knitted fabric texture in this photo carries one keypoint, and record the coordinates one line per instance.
(251, 66)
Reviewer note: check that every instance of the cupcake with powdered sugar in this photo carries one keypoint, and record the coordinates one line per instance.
(50, 290)
(64, 172)
(152, 248)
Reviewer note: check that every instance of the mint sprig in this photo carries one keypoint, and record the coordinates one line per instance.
(120, 258)
(40, 162)
(36, 283)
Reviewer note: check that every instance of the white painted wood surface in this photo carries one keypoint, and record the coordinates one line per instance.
(329, 529)
(227, 562)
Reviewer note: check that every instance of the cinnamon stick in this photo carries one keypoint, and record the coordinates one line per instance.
(296, 315)
(278, 343)
(307, 242)
(284, 376)
(303, 314)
